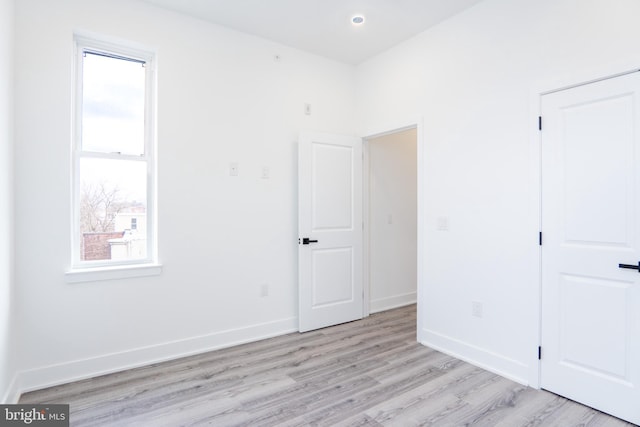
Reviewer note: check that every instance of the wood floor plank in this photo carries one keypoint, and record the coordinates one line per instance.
(363, 401)
(427, 400)
(370, 372)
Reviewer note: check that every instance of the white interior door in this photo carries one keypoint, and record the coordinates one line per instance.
(330, 230)
(591, 224)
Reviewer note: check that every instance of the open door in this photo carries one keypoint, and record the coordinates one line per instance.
(330, 230)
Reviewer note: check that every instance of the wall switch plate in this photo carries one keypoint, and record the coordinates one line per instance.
(233, 169)
(264, 290)
(442, 223)
(476, 309)
(265, 172)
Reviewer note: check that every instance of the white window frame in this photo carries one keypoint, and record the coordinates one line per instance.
(80, 270)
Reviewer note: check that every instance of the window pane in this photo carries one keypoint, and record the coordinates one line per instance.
(113, 195)
(113, 95)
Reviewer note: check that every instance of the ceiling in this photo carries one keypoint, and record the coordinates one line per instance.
(324, 27)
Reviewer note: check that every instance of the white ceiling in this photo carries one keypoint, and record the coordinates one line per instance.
(323, 27)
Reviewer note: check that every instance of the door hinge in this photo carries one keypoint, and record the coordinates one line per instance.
(539, 353)
(540, 238)
(539, 122)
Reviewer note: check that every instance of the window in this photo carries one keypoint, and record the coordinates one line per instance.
(114, 156)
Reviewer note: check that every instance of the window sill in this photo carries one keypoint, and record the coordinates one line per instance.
(81, 275)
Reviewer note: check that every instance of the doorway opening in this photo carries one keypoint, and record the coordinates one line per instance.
(391, 220)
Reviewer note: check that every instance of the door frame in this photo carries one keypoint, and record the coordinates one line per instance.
(541, 88)
(415, 122)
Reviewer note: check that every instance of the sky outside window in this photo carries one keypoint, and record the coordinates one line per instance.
(113, 105)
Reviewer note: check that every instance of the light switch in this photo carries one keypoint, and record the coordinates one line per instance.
(476, 308)
(233, 169)
(442, 223)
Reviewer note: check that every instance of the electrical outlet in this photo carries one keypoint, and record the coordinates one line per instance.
(476, 309)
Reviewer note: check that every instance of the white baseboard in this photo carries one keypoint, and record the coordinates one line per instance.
(382, 304)
(498, 364)
(12, 394)
(63, 373)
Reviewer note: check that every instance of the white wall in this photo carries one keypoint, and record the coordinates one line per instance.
(221, 98)
(472, 79)
(6, 196)
(392, 220)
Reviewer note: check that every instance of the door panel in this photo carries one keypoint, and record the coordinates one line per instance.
(332, 191)
(332, 279)
(330, 217)
(588, 343)
(597, 170)
(590, 218)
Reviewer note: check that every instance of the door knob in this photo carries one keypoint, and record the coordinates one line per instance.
(630, 266)
(306, 241)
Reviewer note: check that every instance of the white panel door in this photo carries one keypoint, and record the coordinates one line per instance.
(330, 230)
(591, 224)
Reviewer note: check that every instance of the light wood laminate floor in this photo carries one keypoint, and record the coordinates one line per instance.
(365, 373)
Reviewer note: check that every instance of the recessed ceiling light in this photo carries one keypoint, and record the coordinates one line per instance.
(357, 20)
